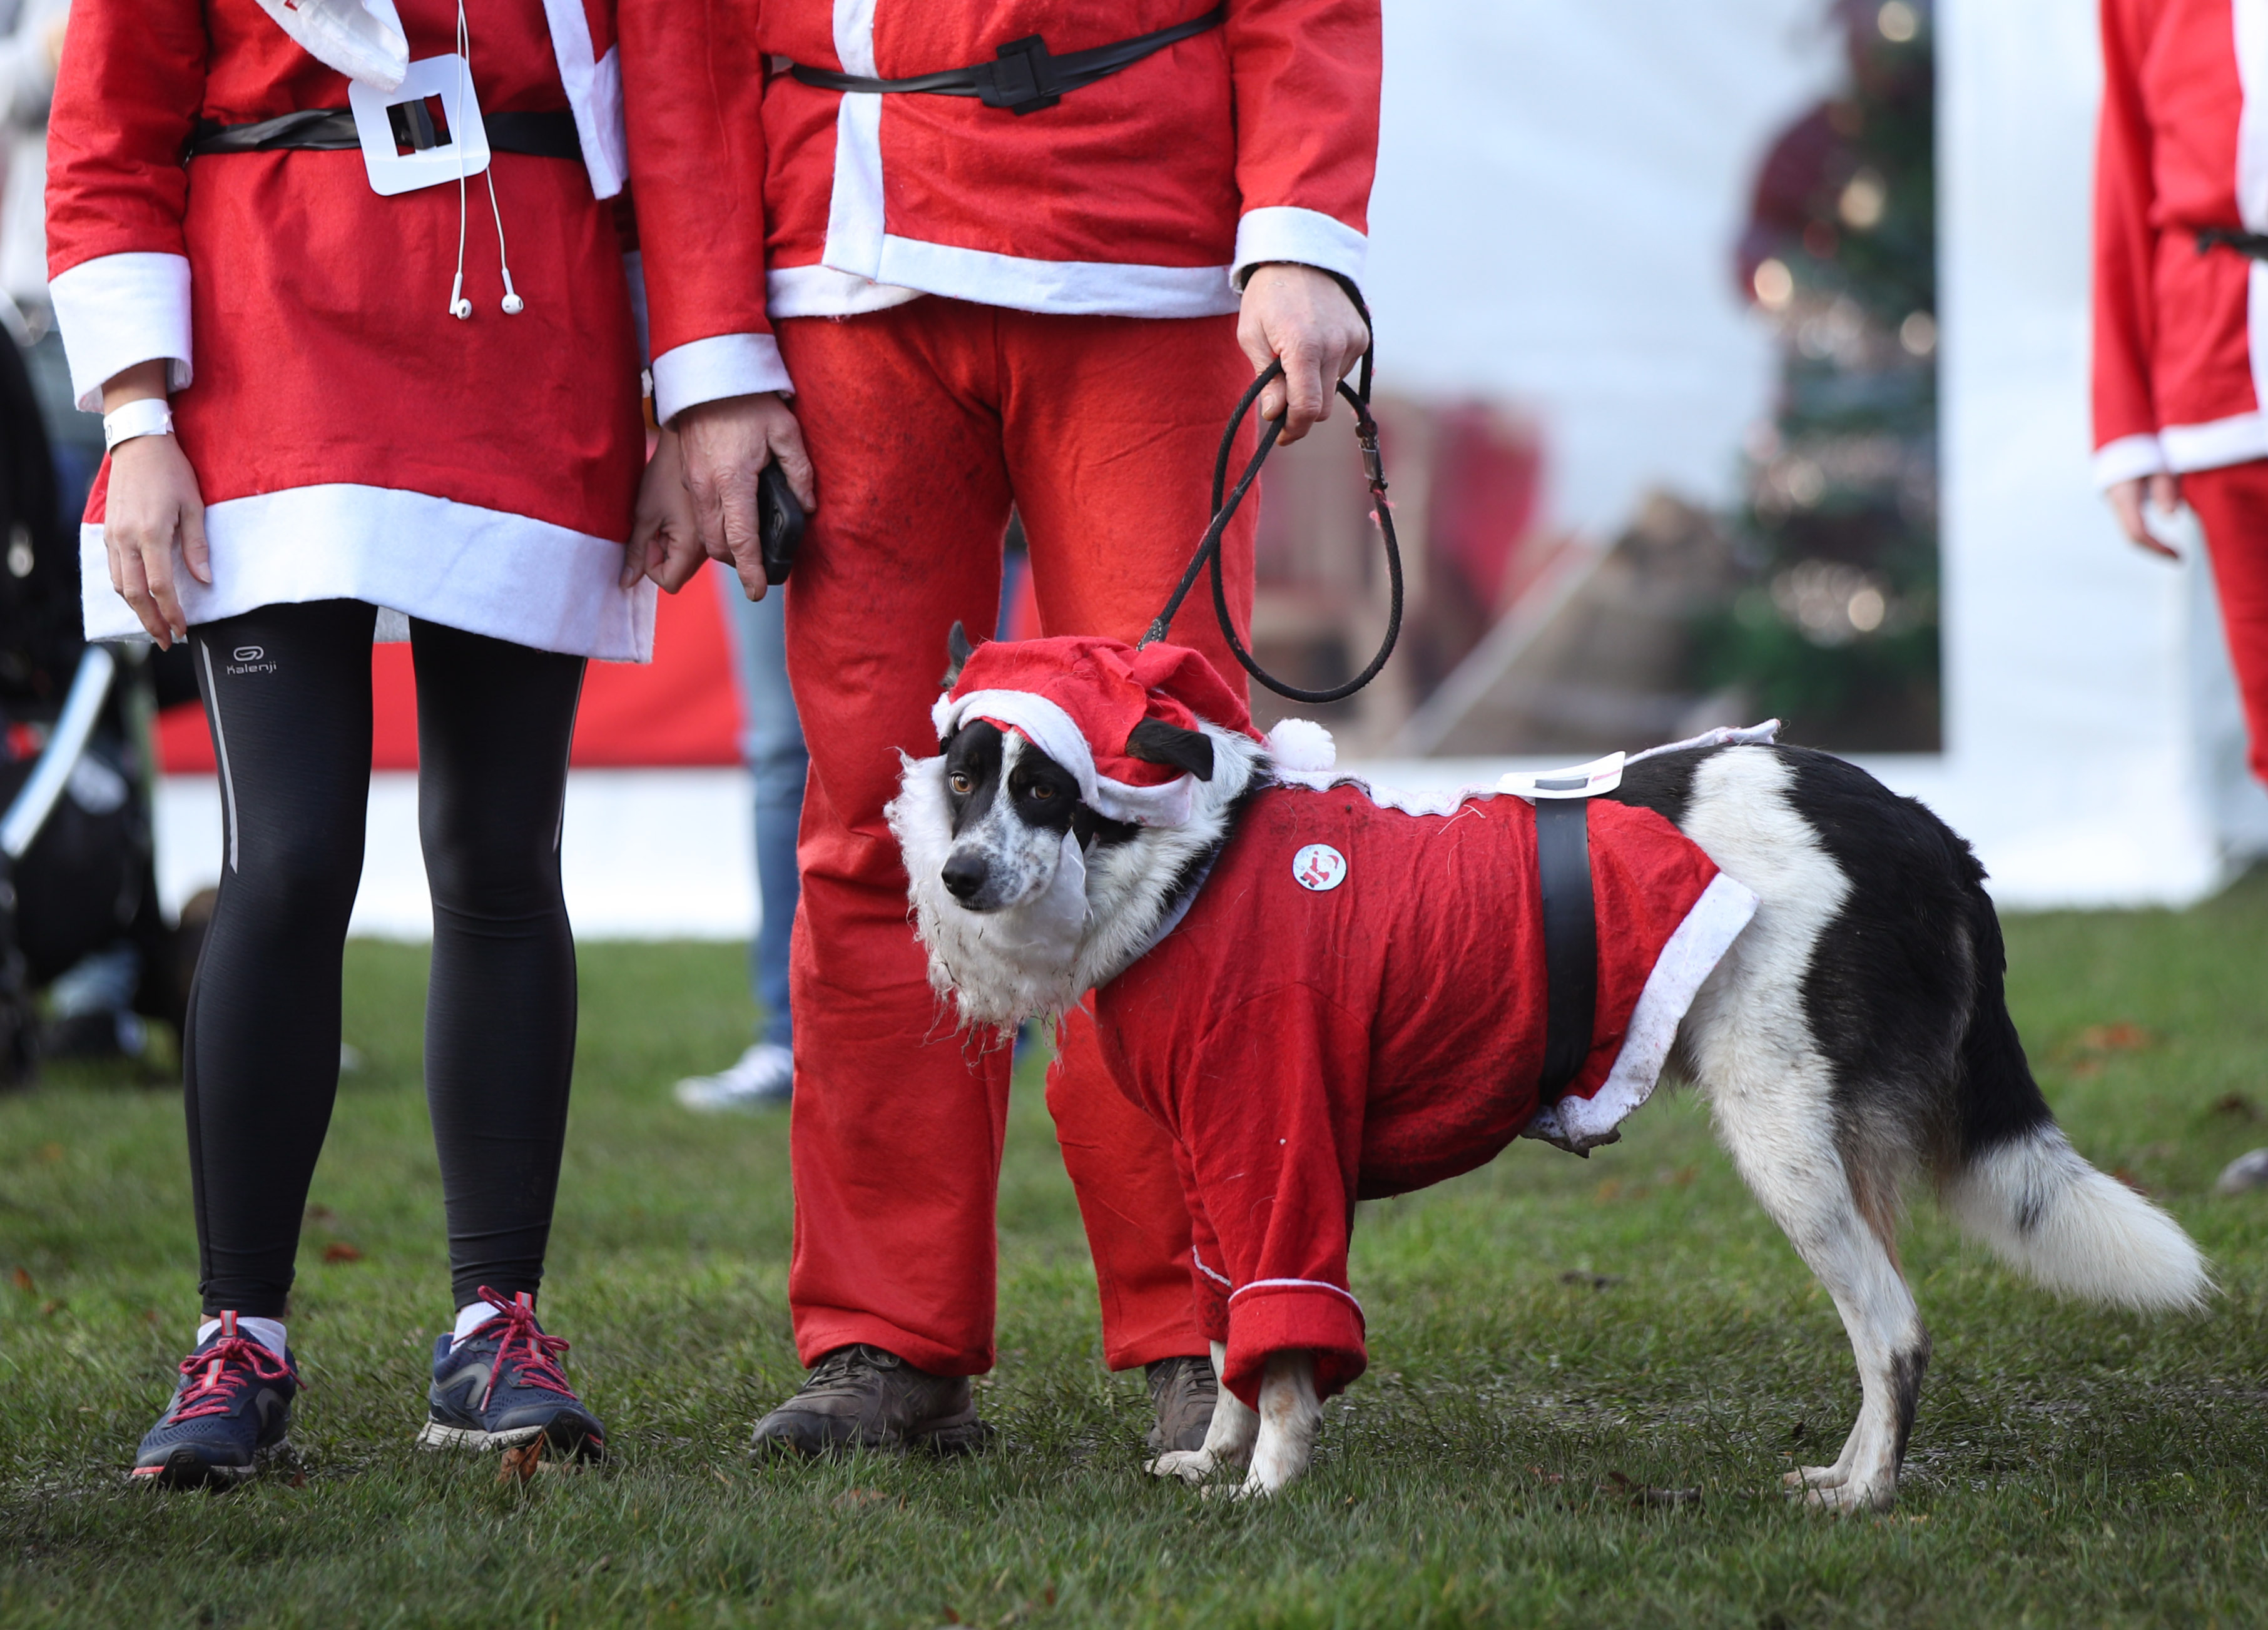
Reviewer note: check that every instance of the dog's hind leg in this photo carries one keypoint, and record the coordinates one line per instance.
(1228, 1438)
(1779, 1125)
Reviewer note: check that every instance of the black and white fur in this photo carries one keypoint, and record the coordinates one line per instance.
(1853, 1035)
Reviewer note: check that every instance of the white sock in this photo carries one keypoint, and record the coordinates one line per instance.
(473, 1316)
(267, 1332)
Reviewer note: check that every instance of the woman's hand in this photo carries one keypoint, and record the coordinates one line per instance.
(664, 544)
(153, 506)
(2164, 494)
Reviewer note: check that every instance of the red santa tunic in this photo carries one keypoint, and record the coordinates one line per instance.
(1148, 194)
(350, 438)
(1359, 1019)
(2180, 338)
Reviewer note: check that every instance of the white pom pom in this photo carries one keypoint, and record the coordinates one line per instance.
(1302, 744)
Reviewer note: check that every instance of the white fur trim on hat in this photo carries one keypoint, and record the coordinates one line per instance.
(1302, 744)
(1049, 729)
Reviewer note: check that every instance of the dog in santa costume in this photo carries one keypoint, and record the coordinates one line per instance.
(1325, 993)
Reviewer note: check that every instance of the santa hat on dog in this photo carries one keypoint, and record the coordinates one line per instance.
(1122, 721)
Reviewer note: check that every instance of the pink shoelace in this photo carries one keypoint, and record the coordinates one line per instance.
(538, 1357)
(229, 1365)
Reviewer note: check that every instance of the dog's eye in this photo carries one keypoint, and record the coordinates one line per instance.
(959, 781)
(1042, 791)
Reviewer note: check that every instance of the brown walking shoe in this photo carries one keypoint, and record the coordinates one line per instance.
(861, 1397)
(1181, 1391)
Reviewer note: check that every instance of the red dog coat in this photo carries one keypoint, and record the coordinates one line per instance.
(1354, 1006)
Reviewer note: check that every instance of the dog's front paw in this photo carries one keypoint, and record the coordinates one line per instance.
(1191, 1465)
(1251, 1489)
(1831, 1488)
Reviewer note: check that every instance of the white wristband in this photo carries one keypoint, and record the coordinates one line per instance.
(151, 416)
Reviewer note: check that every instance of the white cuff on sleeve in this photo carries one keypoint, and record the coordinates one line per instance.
(709, 370)
(2127, 458)
(1305, 235)
(118, 310)
(634, 274)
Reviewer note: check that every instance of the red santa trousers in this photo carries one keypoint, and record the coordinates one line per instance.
(926, 422)
(2232, 505)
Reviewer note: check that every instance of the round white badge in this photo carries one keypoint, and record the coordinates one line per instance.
(1319, 867)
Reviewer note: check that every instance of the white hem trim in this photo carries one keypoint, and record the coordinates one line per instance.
(822, 291)
(2128, 459)
(1059, 287)
(482, 570)
(1052, 730)
(1304, 237)
(1296, 1284)
(1222, 1280)
(710, 370)
(118, 310)
(1689, 956)
(2237, 439)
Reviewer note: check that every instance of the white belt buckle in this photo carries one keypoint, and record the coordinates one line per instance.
(441, 80)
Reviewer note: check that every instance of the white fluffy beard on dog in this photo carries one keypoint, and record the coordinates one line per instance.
(1055, 919)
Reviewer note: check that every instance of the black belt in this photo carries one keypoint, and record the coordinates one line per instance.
(2252, 244)
(1024, 77)
(1571, 939)
(332, 130)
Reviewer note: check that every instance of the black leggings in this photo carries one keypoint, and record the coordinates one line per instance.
(288, 697)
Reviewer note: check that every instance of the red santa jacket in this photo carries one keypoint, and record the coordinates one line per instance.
(1149, 194)
(2180, 338)
(1352, 1008)
(351, 437)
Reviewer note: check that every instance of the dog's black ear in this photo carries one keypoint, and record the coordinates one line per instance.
(958, 649)
(1156, 742)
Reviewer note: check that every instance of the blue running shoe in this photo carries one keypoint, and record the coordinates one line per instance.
(231, 1406)
(502, 1386)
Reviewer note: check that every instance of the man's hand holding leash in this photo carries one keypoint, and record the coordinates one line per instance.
(1301, 317)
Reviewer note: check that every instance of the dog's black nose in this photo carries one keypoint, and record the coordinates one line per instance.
(964, 875)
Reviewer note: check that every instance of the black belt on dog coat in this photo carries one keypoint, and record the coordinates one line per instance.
(1024, 77)
(332, 130)
(1571, 938)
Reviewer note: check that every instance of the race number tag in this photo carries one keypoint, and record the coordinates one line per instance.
(427, 134)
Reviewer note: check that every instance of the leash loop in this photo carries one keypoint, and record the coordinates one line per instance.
(1225, 505)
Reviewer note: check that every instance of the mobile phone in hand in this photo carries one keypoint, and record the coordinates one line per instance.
(781, 517)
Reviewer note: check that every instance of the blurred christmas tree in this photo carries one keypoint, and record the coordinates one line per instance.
(1836, 629)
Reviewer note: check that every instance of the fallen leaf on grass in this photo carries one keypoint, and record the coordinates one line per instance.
(521, 1463)
(299, 1481)
(51, 1152)
(21, 1279)
(1549, 1476)
(2119, 1038)
(2236, 1106)
(1638, 1494)
(852, 1499)
(1596, 1282)
(339, 1250)
(48, 1310)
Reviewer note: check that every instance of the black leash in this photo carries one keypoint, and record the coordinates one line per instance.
(1366, 430)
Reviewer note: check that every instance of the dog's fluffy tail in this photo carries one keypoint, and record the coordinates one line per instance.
(2017, 1183)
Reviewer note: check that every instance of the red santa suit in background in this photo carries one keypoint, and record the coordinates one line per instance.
(2181, 326)
(1353, 1006)
(976, 309)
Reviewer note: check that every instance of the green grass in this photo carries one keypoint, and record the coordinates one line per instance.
(1543, 1334)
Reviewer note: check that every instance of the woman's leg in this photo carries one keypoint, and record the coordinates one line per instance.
(287, 696)
(493, 725)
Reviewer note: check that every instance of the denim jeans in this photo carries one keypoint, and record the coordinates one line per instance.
(772, 744)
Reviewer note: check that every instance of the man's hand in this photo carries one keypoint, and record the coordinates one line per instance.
(153, 505)
(723, 445)
(1299, 316)
(663, 545)
(2164, 494)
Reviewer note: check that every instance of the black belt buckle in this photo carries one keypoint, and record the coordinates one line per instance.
(1023, 79)
(413, 127)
